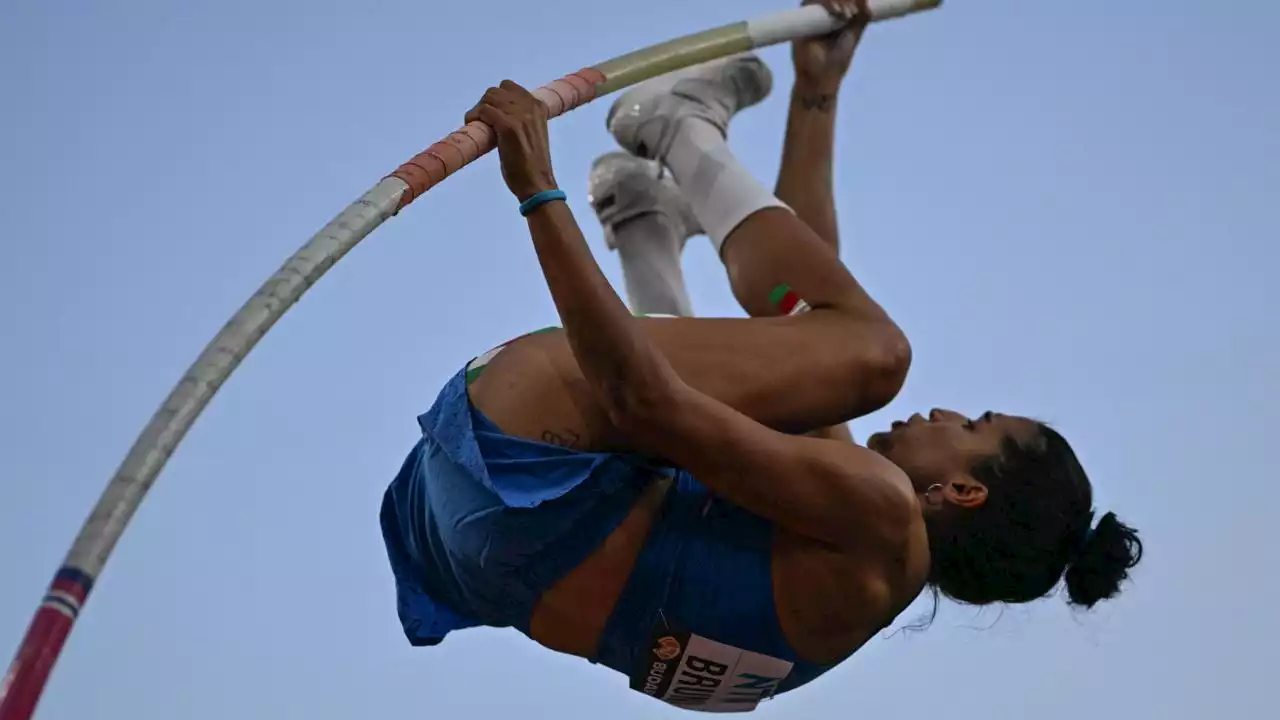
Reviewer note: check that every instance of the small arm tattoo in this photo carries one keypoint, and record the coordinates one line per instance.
(821, 102)
(564, 438)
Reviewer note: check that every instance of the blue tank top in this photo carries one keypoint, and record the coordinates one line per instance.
(697, 625)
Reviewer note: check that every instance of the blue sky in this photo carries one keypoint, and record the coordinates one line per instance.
(1070, 209)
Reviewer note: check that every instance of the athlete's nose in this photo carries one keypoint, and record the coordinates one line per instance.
(935, 415)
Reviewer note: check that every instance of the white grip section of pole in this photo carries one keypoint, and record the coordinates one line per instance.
(233, 342)
(812, 20)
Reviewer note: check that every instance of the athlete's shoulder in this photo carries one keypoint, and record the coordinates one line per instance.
(901, 541)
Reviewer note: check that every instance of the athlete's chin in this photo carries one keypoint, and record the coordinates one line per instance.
(879, 442)
(886, 445)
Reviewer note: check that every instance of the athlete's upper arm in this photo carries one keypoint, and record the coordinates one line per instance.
(835, 492)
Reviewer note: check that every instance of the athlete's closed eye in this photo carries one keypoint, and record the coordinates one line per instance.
(986, 417)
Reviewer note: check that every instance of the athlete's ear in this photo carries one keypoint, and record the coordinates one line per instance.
(965, 491)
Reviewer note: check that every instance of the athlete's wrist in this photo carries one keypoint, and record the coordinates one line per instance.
(535, 186)
(534, 202)
(815, 96)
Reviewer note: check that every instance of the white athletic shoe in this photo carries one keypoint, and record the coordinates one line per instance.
(644, 119)
(622, 187)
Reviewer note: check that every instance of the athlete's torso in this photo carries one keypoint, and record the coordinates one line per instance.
(824, 606)
(827, 604)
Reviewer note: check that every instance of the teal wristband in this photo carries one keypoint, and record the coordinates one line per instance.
(540, 199)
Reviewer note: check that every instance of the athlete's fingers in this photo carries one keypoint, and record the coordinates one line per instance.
(494, 117)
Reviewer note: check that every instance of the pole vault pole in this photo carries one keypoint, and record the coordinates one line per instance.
(23, 684)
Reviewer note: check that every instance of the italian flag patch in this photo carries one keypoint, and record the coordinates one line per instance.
(477, 364)
(787, 301)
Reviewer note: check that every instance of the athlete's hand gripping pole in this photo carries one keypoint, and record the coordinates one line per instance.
(22, 685)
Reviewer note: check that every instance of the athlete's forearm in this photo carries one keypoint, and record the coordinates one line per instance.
(805, 179)
(615, 356)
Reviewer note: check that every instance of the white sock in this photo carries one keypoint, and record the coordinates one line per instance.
(649, 247)
(720, 191)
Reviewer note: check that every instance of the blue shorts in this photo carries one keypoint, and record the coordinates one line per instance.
(479, 524)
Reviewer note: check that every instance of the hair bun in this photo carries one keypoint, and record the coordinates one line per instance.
(1106, 558)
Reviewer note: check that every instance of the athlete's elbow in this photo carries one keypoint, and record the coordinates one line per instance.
(636, 405)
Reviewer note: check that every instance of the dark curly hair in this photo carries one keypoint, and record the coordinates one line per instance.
(1035, 527)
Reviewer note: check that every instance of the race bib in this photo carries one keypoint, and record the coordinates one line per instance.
(696, 673)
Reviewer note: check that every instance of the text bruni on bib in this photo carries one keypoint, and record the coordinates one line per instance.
(696, 673)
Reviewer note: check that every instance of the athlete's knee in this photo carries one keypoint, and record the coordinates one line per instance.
(881, 359)
(891, 361)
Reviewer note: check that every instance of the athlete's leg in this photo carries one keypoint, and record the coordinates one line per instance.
(682, 121)
(647, 220)
(797, 374)
(647, 223)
